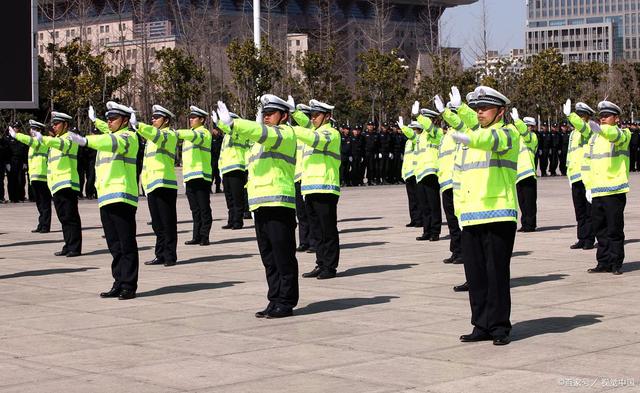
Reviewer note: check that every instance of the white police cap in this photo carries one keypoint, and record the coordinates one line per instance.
(113, 108)
(161, 111)
(195, 111)
(306, 109)
(485, 95)
(584, 109)
(415, 124)
(530, 121)
(57, 117)
(429, 113)
(37, 125)
(608, 108)
(471, 99)
(271, 102)
(318, 106)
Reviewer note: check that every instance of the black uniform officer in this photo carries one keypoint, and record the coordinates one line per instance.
(633, 147)
(345, 156)
(371, 142)
(5, 164)
(554, 150)
(216, 147)
(399, 141)
(544, 144)
(565, 133)
(357, 156)
(385, 153)
(16, 178)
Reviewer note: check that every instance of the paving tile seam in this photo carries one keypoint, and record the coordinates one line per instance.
(287, 344)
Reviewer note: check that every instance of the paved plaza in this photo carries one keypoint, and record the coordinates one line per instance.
(389, 322)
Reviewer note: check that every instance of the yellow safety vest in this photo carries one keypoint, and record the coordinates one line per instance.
(233, 153)
(38, 155)
(576, 170)
(158, 169)
(62, 165)
(446, 159)
(527, 152)
(427, 147)
(196, 153)
(409, 159)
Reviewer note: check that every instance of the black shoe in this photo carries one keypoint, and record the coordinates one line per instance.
(61, 253)
(127, 294)
(228, 226)
(72, 254)
(588, 246)
(577, 245)
(192, 242)
(279, 312)
(170, 263)
(600, 269)
(616, 271)
(411, 224)
(236, 227)
(423, 237)
(458, 261)
(314, 273)
(263, 313)
(113, 292)
(326, 274)
(218, 191)
(302, 247)
(502, 340)
(154, 261)
(37, 230)
(520, 230)
(247, 216)
(311, 250)
(44, 231)
(448, 260)
(434, 238)
(461, 288)
(528, 230)
(204, 242)
(475, 336)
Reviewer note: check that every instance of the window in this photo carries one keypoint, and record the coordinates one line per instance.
(102, 29)
(134, 53)
(41, 49)
(106, 29)
(73, 32)
(89, 30)
(67, 33)
(128, 53)
(57, 34)
(41, 36)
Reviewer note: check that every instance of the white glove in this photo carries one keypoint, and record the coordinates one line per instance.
(588, 196)
(461, 138)
(133, 120)
(214, 117)
(454, 97)
(12, 132)
(350, 159)
(77, 139)
(400, 122)
(379, 155)
(8, 167)
(24, 166)
(437, 101)
(36, 135)
(259, 115)
(566, 108)
(223, 114)
(291, 102)
(595, 127)
(391, 156)
(415, 109)
(92, 113)
(514, 114)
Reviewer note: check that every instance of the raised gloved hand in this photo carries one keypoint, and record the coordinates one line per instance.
(214, 117)
(461, 138)
(400, 122)
(437, 101)
(223, 114)
(514, 114)
(8, 167)
(566, 108)
(133, 120)
(259, 115)
(36, 135)
(350, 159)
(391, 156)
(455, 98)
(415, 108)
(588, 196)
(12, 132)
(24, 167)
(291, 102)
(595, 127)
(379, 155)
(92, 113)
(77, 139)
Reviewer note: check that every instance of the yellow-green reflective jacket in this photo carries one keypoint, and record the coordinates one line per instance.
(271, 164)
(62, 165)
(233, 153)
(606, 159)
(409, 159)
(578, 143)
(38, 156)
(446, 158)
(116, 176)
(527, 151)
(158, 169)
(196, 153)
(299, 152)
(427, 146)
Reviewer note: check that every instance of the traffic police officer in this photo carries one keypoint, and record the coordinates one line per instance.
(412, 131)
(526, 183)
(371, 142)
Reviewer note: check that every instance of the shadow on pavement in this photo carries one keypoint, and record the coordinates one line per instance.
(341, 304)
(186, 288)
(106, 251)
(235, 240)
(520, 253)
(153, 234)
(630, 266)
(214, 258)
(631, 241)
(46, 272)
(356, 230)
(356, 271)
(360, 245)
(31, 243)
(537, 327)
(532, 280)
(553, 228)
(356, 219)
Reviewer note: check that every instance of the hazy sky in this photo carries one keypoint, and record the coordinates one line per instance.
(461, 26)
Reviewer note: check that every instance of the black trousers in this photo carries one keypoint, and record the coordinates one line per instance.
(370, 162)
(233, 183)
(344, 171)
(66, 203)
(275, 232)
(415, 214)
(633, 157)
(3, 169)
(429, 200)
(452, 223)
(90, 185)
(119, 224)
(527, 190)
(486, 252)
(306, 236)
(607, 215)
(43, 203)
(15, 182)
(357, 171)
(563, 162)
(382, 167)
(553, 161)
(164, 221)
(198, 194)
(325, 219)
(544, 162)
(582, 208)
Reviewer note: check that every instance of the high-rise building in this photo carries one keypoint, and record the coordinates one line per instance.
(585, 30)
